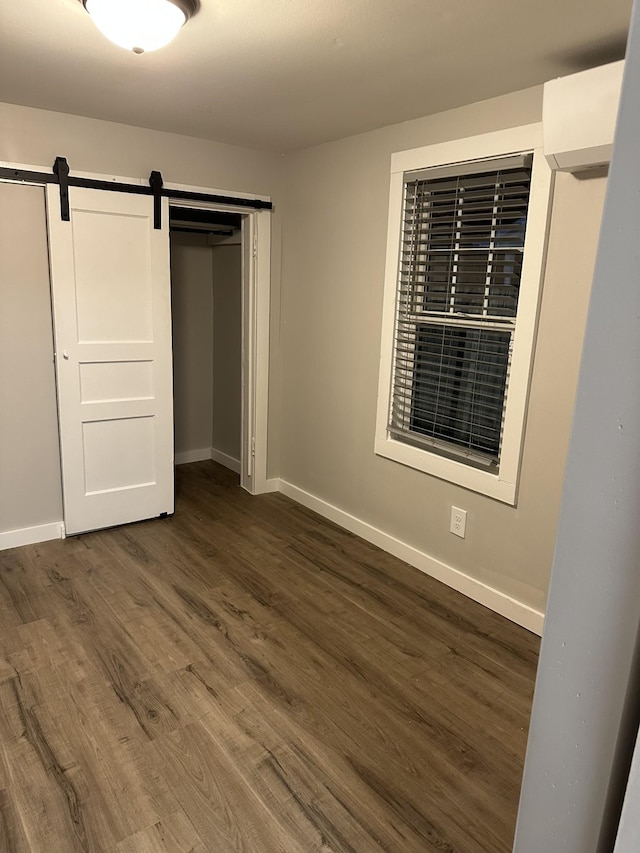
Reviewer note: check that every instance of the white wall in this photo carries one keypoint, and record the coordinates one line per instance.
(335, 223)
(30, 490)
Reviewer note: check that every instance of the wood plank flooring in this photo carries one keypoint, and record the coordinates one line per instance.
(246, 676)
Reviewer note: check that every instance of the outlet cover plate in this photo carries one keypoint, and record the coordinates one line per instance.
(458, 521)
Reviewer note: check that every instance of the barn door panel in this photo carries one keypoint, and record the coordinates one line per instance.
(112, 323)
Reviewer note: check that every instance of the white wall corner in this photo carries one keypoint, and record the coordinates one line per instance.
(31, 535)
(512, 609)
(271, 485)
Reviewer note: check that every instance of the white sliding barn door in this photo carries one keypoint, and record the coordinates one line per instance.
(112, 322)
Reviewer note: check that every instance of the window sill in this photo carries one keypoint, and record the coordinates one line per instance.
(475, 480)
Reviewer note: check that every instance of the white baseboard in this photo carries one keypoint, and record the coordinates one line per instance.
(202, 453)
(31, 535)
(271, 485)
(186, 456)
(492, 598)
(225, 459)
(199, 455)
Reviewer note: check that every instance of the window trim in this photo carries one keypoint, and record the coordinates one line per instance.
(502, 485)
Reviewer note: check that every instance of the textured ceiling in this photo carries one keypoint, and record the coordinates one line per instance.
(286, 74)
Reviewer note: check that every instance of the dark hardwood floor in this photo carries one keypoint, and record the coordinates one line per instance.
(246, 676)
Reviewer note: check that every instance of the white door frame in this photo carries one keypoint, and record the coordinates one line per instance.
(256, 308)
(256, 313)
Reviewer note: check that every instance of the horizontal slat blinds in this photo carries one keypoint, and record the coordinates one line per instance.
(471, 167)
(462, 241)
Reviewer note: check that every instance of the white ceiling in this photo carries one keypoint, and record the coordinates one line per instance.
(285, 74)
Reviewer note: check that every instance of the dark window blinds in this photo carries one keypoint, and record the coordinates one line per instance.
(462, 242)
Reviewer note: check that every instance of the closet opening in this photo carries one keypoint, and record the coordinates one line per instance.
(109, 275)
(208, 277)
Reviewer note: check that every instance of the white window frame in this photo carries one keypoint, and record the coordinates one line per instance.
(503, 484)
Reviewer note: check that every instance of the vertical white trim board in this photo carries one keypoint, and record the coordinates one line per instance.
(499, 602)
(31, 535)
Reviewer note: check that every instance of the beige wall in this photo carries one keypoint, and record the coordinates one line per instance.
(30, 490)
(35, 137)
(192, 327)
(227, 350)
(335, 224)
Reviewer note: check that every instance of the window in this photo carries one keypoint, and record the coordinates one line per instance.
(464, 265)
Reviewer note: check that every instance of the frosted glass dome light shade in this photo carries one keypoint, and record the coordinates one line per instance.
(139, 25)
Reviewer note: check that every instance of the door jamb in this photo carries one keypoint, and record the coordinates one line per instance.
(256, 307)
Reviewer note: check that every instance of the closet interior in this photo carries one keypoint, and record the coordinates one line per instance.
(206, 297)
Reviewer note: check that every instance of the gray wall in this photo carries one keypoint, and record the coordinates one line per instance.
(227, 350)
(587, 699)
(30, 488)
(335, 224)
(192, 315)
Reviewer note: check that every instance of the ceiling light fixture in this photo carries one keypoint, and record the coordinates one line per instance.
(140, 25)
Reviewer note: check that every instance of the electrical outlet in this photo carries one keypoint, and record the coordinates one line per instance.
(458, 521)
